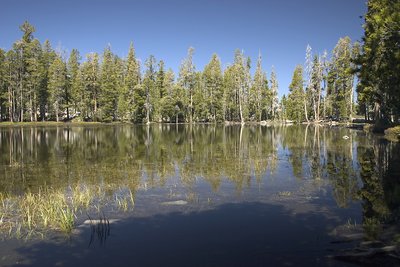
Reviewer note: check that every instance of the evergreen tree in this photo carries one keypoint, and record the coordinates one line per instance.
(308, 70)
(316, 80)
(132, 79)
(3, 88)
(213, 89)
(187, 80)
(48, 56)
(295, 100)
(160, 92)
(379, 67)
(57, 85)
(259, 93)
(74, 81)
(149, 87)
(120, 89)
(274, 95)
(108, 90)
(91, 83)
(340, 79)
(168, 103)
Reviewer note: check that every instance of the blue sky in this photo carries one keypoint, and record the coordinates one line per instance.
(279, 29)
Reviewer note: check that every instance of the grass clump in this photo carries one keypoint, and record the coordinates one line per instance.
(35, 213)
(46, 210)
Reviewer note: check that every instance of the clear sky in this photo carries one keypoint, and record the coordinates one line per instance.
(279, 29)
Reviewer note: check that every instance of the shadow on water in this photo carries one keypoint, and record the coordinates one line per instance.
(246, 234)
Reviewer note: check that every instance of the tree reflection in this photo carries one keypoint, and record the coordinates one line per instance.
(156, 155)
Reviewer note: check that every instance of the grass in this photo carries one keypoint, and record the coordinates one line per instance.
(34, 214)
(126, 201)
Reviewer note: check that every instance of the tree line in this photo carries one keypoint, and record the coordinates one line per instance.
(37, 83)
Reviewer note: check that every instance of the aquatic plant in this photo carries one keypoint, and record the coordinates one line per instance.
(48, 209)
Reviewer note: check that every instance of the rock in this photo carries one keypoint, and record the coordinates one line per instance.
(91, 222)
(176, 202)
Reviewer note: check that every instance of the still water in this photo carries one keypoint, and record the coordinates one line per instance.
(201, 195)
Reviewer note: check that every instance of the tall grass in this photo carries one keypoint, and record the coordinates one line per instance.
(51, 209)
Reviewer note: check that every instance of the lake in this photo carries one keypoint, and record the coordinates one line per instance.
(192, 195)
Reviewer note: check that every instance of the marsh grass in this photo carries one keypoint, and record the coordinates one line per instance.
(36, 213)
(125, 201)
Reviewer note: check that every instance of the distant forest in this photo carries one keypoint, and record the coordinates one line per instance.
(38, 83)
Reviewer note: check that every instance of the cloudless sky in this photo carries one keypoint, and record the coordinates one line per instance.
(279, 29)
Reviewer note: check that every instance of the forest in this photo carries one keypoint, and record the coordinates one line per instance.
(39, 83)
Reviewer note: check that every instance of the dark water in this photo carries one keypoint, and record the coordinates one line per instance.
(203, 195)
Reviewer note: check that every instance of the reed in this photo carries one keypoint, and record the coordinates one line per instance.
(48, 209)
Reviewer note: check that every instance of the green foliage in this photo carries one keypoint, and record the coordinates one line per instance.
(213, 90)
(260, 96)
(57, 85)
(75, 80)
(126, 106)
(340, 80)
(108, 87)
(379, 61)
(295, 100)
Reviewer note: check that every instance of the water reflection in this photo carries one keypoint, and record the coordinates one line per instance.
(358, 167)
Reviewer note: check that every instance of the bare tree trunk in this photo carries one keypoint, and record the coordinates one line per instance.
(191, 107)
(11, 105)
(56, 108)
(315, 109)
(21, 104)
(318, 103)
(351, 104)
(147, 107)
(305, 109)
(31, 106)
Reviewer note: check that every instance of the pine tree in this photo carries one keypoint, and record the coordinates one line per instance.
(120, 89)
(308, 70)
(274, 95)
(57, 85)
(187, 80)
(379, 67)
(213, 89)
(132, 79)
(74, 81)
(3, 87)
(91, 82)
(340, 79)
(149, 81)
(259, 92)
(35, 74)
(295, 100)
(48, 56)
(315, 86)
(168, 103)
(108, 91)
(160, 92)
